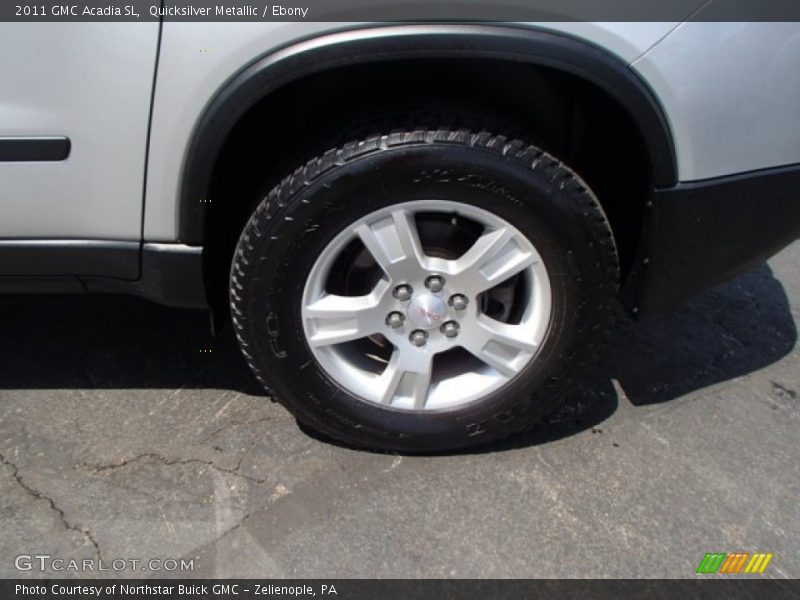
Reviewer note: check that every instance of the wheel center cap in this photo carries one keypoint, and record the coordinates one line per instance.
(427, 311)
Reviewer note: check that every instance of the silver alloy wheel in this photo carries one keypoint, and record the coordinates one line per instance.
(425, 306)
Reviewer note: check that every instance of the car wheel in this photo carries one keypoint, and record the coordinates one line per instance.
(424, 290)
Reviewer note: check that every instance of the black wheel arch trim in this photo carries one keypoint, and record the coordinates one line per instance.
(391, 42)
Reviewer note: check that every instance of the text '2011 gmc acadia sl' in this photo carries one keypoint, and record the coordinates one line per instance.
(421, 231)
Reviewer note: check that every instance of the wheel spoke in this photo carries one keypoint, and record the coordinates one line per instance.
(504, 347)
(494, 257)
(394, 244)
(336, 319)
(406, 379)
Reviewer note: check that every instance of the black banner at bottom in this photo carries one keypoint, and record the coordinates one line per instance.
(390, 589)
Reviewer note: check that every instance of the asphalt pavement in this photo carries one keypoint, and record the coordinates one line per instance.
(127, 432)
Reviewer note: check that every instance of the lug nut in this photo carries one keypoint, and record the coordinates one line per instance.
(434, 283)
(459, 301)
(418, 337)
(403, 292)
(450, 329)
(395, 320)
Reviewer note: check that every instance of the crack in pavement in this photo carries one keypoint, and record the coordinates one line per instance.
(784, 391)
(60, 512)
(161, 459)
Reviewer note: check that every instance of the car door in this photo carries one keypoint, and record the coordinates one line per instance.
(74, 115)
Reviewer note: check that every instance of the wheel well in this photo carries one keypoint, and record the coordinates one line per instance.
(571, 118)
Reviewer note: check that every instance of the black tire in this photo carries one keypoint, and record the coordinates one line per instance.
(542, 197)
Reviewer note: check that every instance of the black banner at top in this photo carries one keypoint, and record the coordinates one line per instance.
(398, 10)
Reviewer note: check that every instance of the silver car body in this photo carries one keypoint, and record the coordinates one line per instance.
(730, 93)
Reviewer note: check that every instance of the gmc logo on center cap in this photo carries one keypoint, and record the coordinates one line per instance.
(430, 315)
